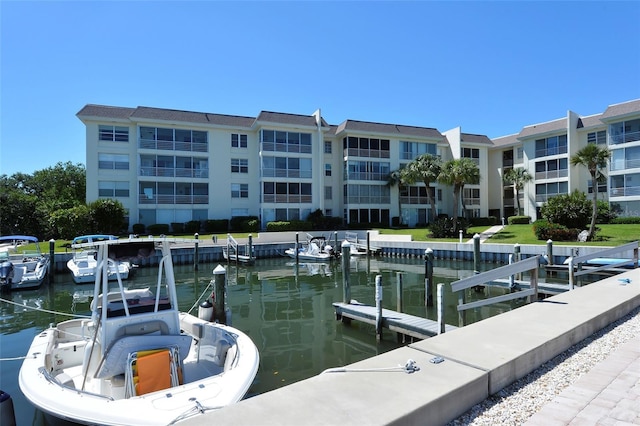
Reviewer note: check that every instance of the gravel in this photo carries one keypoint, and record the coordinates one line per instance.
(516, 403)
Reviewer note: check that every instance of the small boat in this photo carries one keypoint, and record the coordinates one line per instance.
(23, 270)
(315, 250)
(83, 263)
(137, 360)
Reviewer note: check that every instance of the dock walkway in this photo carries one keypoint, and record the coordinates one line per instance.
(401, 323)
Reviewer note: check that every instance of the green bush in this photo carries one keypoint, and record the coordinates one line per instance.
(292, 225)
(626, 220)
(216, 226)
(177, 228)
(138, 228)
(158, 229)
(244, 224)
(571, 210)
(519, 220)
(192, 227)
(545, 230)
(484, 221)
(443, 227)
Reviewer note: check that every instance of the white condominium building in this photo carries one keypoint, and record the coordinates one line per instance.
(168, 166)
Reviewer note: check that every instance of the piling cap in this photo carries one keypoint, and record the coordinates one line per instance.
(345, 243)
(206, 304)
(219, 270)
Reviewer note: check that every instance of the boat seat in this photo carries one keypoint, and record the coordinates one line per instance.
(115, 360)
(151, 371)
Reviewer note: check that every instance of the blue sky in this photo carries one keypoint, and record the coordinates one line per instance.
(489, 67)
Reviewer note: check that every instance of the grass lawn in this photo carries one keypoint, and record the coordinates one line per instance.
(608, 235)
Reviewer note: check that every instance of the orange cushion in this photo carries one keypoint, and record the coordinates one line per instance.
(154, 372)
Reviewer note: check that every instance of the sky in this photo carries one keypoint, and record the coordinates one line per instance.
(489, 67)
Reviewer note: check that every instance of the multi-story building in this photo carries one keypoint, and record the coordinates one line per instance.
(169, 166)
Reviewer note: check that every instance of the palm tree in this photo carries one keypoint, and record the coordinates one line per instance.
(594, 158)
(424, 168)
(395, 179)
(518, 177)
(457, 173)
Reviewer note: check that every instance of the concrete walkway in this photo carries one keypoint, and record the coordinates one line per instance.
(484, 236)
(608, 394)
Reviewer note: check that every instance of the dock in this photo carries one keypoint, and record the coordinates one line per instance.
(403, 324)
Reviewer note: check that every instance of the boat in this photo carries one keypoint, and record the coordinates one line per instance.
(315, 250)
(22, 270)
(138, 359)
(83, 263)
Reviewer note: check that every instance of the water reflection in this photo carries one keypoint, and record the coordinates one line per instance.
(285, 308)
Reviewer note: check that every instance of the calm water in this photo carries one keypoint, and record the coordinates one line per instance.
(286, 309)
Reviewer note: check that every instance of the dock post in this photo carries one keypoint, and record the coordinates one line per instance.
(219, 293)
(335, 241)
(512, 283)
(571, 277)
(428, 277)
(368, 244)
(250, 249)
(378, 307)
(476, 253)
(399, 290)
(195, 252)
(440, 303)
(346, 254)
(52, 259)
(550, 251)
(296, 247)
(516, 257)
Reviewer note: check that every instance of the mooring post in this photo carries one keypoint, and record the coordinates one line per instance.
(52, 259)
(378, 307)
(250, 248)
(399, 290)
(219, 293)
(516, 257)
(195, 252)
(440, 303)
(571, 277)
(296, 247)
(346, 254)
(368, 244)
(335, 241)
(428, 277)
(550, 251)
(512, 277)
(476, 253)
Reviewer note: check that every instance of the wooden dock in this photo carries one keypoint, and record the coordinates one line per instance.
(403, 324)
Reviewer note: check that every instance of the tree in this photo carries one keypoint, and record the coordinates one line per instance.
(518, 177)
(424, 168)
(569, 210)
(594, 158)
(107, 216)
(458, 173)
(395, 178)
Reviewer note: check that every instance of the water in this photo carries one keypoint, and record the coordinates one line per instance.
(286, 309)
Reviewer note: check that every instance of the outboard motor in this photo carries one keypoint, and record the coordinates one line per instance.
(6, 275)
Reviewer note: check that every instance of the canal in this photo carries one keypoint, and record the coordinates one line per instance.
(285, 308)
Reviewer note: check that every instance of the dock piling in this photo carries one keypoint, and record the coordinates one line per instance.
(219, 288)
(378, 307)
(440, 303)
(346, 254)
(399, 279)
(195, 252)
(52, 259)
(428, 277)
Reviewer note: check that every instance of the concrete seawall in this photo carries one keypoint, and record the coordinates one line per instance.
(479, 360)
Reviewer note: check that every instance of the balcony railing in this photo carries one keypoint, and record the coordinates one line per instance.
(286, 198)
(625, 164)
(174, 172)
(286, 147)
(552, 174)
(355, 199)
(173, 145)
(551, 151)
(627, 191)
(370, 153)
(626, 137)
(173, 199)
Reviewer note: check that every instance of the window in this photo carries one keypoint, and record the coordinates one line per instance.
(238, 140)
(327, 147)
(551, 146)
(293, 167)
(599, 138)
(112, 189)
(283, 192)
(113, 161)
(365, 147)
(327, 169)
(625, 131)
(113, 133)
(239, 165)
(367, 170)
(173, 139)
(328, 193)
(471, 153)
(410, 150)
(275, 140)
(239, 190)
(552, 169)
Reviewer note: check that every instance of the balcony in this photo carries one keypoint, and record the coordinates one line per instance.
(173, 199)
(552, 174)
(626, 137)
(286, 198)
(627, 191)
(173, 145)
(174, 172)
(368, 153)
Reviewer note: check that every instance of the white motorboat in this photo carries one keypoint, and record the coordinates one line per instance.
(22, 270)
(315, 250)
(137, 360)
(83, 263)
